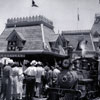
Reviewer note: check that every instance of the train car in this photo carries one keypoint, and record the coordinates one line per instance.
(77, 80)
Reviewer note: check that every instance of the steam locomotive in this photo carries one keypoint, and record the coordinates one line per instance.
(77, 81)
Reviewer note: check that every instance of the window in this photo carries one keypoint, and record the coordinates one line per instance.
(16, 41)
(11, 45)
(15, 46)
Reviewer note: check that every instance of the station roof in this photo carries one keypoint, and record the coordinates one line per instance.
(28, 29)
(74, 36)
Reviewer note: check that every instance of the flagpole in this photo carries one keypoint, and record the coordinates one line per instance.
(78, 18)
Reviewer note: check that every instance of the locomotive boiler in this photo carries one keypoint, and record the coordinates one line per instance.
(78, 80)
(68, 77)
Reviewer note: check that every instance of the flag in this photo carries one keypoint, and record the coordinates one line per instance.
(78, 16)
(33, 4)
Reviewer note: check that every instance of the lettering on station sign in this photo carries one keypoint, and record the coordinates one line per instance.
(12, 55)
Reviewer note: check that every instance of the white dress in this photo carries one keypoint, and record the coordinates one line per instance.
(15, 82)
(20, 83)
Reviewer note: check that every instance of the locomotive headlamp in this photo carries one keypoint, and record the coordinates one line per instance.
(64, 79)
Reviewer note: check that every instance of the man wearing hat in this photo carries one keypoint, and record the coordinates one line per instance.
(30, 74)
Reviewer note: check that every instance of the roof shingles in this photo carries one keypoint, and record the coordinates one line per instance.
(74, 37)
(31, 34)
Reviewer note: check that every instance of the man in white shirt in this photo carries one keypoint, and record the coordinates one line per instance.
(31, 70)
(30, 74)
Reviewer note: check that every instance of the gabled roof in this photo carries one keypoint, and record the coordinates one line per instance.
(74, 36)
(15, 33)
(31, 34)
(77, 32)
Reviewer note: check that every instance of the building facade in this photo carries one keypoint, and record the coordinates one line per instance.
(31, 38)
(27, 37)
(76, 38)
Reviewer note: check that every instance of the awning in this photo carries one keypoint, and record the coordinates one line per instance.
(24, 53)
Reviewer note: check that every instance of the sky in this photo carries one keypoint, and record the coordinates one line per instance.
(63, 13)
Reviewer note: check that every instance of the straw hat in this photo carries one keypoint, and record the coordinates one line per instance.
(39, 63)
(10, 61)
(34, 62)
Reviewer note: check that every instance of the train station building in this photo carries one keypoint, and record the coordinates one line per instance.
(30, 38)
(34, 38)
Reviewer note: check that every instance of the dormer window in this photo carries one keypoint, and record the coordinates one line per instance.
(11, 46)
(15, 41)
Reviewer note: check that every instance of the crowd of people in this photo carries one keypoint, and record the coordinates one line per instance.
(31, 79)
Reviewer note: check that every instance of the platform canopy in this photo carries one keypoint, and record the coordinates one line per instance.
(40, 55)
